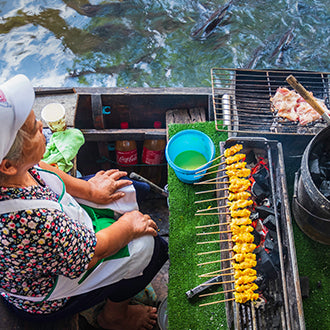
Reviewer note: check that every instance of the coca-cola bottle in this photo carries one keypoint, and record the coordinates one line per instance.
(126, 152)
(152, 157)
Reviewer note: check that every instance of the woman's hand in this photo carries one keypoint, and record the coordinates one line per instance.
(129, 226)
(140, 224)
(104, 186)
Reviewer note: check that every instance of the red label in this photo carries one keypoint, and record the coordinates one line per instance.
(127, 157)
(152, 157)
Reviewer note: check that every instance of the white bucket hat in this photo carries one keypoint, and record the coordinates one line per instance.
(16, 101)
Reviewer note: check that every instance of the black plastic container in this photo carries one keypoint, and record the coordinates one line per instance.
(311, 209)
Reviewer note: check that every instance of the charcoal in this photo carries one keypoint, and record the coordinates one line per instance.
(267, 266)
(250, 158)
(264, 211)
(269, 243)
(273, 235)
(257, 237)
(270, 222)
(259, 192)
(262, 178)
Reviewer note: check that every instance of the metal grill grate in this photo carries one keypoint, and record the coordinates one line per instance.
(241, 100)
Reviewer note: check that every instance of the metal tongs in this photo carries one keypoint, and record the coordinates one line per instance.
(308, 97)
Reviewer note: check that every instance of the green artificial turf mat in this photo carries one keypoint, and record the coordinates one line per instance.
(183, 248)
(313, 258)
(314, 262)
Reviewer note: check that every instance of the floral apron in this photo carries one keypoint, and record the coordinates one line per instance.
(105, 273)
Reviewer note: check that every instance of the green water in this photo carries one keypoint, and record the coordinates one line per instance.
(189, 160)
(143, 43)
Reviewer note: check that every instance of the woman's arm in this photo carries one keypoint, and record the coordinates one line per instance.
(131, 225)
(101, 189)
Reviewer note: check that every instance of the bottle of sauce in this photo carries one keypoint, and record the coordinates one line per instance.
(126, 152)
(152, 156)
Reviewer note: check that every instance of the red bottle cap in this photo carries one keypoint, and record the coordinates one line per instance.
(157, 124)
(124, 125)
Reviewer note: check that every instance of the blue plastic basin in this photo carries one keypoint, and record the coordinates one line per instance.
(189, 140)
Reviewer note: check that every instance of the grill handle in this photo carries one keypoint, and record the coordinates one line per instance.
(309, 98)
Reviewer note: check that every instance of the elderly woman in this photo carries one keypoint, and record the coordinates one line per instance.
(58, 257)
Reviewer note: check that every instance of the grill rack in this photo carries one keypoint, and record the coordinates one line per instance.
(241, 100)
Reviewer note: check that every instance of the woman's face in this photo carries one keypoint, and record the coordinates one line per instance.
(35, 147)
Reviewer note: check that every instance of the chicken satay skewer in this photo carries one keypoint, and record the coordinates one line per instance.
(231, 205)
(228, 161)
(233, 167)
(244, 195)
(234, 214)
(228, 152)
(240, 257)
(240, 173)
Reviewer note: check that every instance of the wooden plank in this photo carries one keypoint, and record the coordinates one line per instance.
(184, 116)
(136, 134)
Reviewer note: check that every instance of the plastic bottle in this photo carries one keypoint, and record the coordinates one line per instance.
(126, 152)
(153, 155)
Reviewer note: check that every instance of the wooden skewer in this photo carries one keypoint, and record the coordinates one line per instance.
(216, 283)
(214, 293)
(211, 199)
(217, 241)
(213, 262)
(216, 251)
(212, 172)
(212, 208)
(211, 181)
(214, 213)
(209, 168)
(214, 232)
(208, 191)
(217, 302)
(205, 181)
(213, 225)
(216, 272)
(211, 161)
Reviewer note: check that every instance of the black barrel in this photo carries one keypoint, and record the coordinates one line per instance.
(311, 209)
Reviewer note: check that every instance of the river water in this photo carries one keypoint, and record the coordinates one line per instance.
(153, 43)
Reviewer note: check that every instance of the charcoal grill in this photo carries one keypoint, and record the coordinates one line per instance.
(283, 309)
(241, 100)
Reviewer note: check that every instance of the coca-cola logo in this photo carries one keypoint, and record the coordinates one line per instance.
(127, 157)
